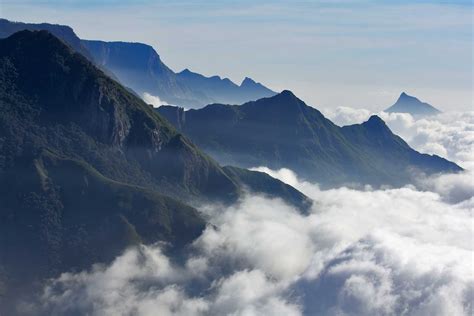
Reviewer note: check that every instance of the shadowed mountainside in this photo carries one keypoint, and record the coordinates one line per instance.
(87, 168)
(282, 131)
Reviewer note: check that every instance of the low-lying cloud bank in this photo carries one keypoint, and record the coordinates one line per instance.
(383, 252)
(449, 135)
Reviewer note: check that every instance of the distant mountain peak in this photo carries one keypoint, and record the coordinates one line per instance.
(248, 81)
(259, 89)
(185, 71)
(412, 105)
(405, 97)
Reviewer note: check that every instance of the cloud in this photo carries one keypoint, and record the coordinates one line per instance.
(346, 115)
(454, 188)
(153, 100)
(358, 252)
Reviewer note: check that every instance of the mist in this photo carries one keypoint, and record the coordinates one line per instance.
(153, 100)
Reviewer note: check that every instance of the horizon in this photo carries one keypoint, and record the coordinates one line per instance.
(329, 48)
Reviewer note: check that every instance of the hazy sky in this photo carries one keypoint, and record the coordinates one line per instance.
(330, 53)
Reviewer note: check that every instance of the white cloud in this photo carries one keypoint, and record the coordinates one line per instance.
(153, 100)
(245, 233)
(372, 252)
(346, 115)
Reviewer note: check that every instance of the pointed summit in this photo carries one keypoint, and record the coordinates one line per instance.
(403, 95)
(286, 98)
(255, 89)
(376, 126)
(375, 120)
(248, 81)
(407, 98)
(186, 71)
(287, 94)
(412, 105)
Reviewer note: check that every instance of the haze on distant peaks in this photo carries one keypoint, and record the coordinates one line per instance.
(412, 105)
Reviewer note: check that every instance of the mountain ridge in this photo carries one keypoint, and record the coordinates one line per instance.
(146, 73)
(88, 169)
(283, 132)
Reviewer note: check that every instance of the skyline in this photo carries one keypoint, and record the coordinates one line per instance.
(359, 54)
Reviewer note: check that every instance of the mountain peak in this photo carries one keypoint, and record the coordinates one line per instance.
(375, 120)
(283, 106)
(376, 126)
(248, 81)
(257, 89)
(186, 71)
(286, 98)
(412, 105)
(404, 97)
(287, 94)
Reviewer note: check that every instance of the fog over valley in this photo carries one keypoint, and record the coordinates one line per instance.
(244, 158)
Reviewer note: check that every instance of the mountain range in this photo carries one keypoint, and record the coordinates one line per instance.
(87, 168)
(139, 67)
(283, 132)
(409, 104)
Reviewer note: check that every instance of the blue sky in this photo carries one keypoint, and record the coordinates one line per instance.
(330, 53)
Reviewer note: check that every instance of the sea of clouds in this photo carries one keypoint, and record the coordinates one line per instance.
(405, 251)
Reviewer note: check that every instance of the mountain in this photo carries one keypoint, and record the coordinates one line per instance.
(87, 168)
(139, 67)
(63, 32)
(413, 106)
(223, 90)
(282, 131)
